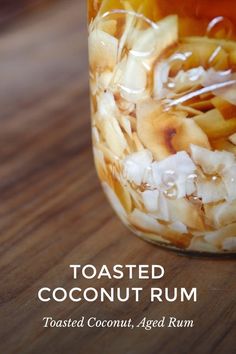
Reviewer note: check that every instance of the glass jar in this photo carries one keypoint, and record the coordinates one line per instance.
(163, 103)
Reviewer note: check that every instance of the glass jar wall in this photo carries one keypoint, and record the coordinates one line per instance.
(163, 103)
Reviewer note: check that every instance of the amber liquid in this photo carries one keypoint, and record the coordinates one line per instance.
(195, 14)
(172, 96)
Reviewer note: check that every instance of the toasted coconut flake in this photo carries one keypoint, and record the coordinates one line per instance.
(175, 171)
(151, 200)
(109, 156)
(153, 41)
(189, 132)
(137, 200)
(114, 137)
(222, 214)
(214, 124)
(232, 138)
(156, 204)
(107, 108)
(147, 223)
(229, 244)
(163, 212)
(185, 80)
(133, 89)
(95, 135)
(103, 49)
(135, 166)
(109, 126)
(211, 190)
(104, 80)
(100, 164)
(115, 202)
(127, 32)
(123, 195)
(161, 74)
(227, 109)
(223, 144)
(139, 146)
(126, 125)
(228, 92)
(147, 48)
(165, 133)
(211, 161)
(109, 26)
(229, 178)
(150, 237)
(217, 237)
(124, 106)
(199, 244)
(209, 42)
(179, 227)
(185, 212)
(202, 106)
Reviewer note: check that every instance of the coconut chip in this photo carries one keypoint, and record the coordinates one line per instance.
(103, 49)
(217, 237)
(229, 244)
(232, 138)
(211, 161)
(221, 214)
(135, 166)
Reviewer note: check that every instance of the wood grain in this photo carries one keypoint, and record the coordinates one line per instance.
(53, 212)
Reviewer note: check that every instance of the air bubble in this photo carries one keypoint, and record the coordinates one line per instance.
(219, 27)
(171, 193)
(169, 178)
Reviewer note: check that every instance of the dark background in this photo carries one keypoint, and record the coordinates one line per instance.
(53, 212)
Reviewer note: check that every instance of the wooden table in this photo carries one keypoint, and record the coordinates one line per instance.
(53, 212)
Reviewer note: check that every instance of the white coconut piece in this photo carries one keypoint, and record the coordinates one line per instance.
(222, 214)
(229, 244)
(113, 136)
(103, 50)
(229, 178)
(146, 222)
(134, 80)
(161, 74)
(174, 171)
(127, 32)
(104, 80)
(147, 48)
(151, 200)
(179, 227)
(211, 161)
(112, 133)
(232, 138)
(153, 41)
(107, 108)
(185, 212)
(199, 244)
(217, 237)
(184, 80)
(135, 166)
(211, 191)
(156, 204)
(164, 213)
(125, 124)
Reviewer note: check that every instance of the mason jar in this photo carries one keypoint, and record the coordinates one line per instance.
(163, 106)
